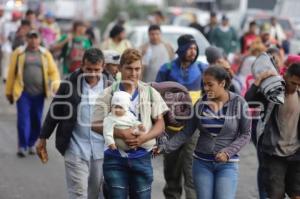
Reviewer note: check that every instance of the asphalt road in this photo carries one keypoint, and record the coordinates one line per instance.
(27, 178)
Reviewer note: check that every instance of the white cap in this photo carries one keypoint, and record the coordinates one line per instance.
(121, 98)
(111, 57)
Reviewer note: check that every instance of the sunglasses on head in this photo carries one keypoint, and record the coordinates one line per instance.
(116, 57)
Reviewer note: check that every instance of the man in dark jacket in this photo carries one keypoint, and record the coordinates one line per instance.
(188, 72)
(278, 136)
(71, 112)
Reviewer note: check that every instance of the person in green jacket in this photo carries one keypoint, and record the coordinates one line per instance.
(73, 46)
(224, 36)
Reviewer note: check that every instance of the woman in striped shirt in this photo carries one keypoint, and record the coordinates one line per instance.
(222, 119)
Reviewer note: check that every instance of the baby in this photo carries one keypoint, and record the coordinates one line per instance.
(120, 117)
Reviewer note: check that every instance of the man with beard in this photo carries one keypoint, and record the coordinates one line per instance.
(186, 71)
(71, 112)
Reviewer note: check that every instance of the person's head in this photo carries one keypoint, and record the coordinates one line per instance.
(122, 18)
(131, 66)
(158, 17)
(292, 78)
(1, 11)
(225, 20)
(33, 40)
(79, 28)
(256, 48)
(213, 54)
(24, 27)
(49, 17)
(252, 27)
(30, 15)
(273, 21)
(187, 48)
(16, 15)
(216, 82)
(265, 32)
(154, 33)
(120, 103)
(194, 18)
(112, 62)
(213, 18)
(117, 33)
(92, 64)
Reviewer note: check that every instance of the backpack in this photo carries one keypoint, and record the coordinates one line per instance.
(73, 52)
(179, 102)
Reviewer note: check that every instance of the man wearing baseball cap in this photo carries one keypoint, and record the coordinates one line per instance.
(186, 71)
(112, 63)
(30, 71)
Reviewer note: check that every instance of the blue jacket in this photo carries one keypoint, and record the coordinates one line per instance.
(191, 78)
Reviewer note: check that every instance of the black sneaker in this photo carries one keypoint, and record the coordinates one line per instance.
(21, 153)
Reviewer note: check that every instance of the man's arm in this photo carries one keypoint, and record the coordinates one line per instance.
(51, 121)
(11, 76)
(156, 130)
(56, 110)
(124, 134)
(253, 94)
(60, 44)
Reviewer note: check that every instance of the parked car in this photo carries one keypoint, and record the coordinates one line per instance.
(139, 35)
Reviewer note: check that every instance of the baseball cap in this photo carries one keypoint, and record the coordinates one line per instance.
(111, 57)
(121, 98)
(33, 33)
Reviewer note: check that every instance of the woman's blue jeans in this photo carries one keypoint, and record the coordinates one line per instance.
(214, 180)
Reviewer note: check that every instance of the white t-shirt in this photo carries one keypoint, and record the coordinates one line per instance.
(154, 58)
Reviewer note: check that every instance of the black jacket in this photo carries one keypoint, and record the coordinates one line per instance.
(63, 111)
(267, 137)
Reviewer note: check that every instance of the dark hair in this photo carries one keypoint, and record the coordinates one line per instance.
(30, 12)
(93, 55)
(158, 13)
(25, 22)
(154, 27)
(294, 69)
(76, 24)
(220, 74)
(116, 30)
(252, 23)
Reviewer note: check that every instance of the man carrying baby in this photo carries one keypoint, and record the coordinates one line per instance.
(131, 173)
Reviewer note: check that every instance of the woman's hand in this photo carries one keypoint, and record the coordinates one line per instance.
(222, 157)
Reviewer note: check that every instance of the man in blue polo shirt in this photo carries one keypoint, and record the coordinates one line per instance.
(188, 72)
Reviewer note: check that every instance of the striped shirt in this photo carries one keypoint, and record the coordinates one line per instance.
(212, 121)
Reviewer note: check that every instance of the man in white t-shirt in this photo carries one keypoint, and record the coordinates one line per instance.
(155, 53)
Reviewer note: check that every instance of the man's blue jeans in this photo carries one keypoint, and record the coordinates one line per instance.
(215, 180)
(125, 177)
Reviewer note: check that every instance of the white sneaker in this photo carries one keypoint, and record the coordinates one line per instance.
(31, 151)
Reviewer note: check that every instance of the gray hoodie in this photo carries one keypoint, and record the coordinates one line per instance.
(233, 136)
